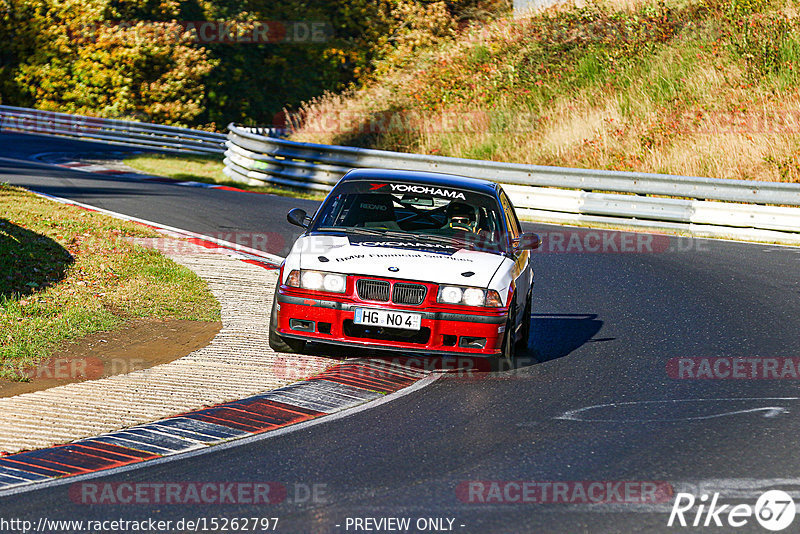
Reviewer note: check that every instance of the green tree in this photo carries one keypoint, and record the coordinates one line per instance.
(75, 59)
(128, 58)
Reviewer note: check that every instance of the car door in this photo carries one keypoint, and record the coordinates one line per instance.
(523, 275)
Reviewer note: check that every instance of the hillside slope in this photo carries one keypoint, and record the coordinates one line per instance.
(691, 87)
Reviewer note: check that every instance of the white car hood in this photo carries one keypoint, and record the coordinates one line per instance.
(402, 258)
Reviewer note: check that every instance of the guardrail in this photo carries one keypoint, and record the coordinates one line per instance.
(701, 206)
(115, 131)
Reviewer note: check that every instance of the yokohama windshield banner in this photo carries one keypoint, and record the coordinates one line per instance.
(412, 190)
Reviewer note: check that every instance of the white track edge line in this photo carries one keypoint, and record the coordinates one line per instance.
(165, 228)
(279, 259)
(225, 445)
(232, 442)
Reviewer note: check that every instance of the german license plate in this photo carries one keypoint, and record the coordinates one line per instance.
(388, 318)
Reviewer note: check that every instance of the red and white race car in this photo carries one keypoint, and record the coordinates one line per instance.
(417, 262)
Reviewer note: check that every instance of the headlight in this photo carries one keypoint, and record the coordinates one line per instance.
(450, 295)
(469, 296)
(335, 283)
(474, 297)
(311, 280)
(318, 281)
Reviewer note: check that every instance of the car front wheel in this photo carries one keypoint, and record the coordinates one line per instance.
(525, 328)
(277, 342)
(509, 352)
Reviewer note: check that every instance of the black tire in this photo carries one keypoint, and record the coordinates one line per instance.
(505, 361)
(525, 329)
(277, 342)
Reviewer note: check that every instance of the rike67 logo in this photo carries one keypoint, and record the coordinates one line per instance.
(774, 510)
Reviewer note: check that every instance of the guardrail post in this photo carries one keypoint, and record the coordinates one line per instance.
(639, 199)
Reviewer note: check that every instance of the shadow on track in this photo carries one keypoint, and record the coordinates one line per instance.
(552, 336)
(556, 335)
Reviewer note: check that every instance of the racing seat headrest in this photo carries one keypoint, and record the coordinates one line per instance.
(372, 210)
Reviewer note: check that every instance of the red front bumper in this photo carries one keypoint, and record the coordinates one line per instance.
(324, 318)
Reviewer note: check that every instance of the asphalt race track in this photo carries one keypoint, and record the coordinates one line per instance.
(603, 403)
(218, 213)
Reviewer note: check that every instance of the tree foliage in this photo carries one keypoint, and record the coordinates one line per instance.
(132, 59)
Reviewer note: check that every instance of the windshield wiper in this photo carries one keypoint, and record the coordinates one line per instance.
(400, 234)
(428, 237)
(397, 233)
(445, 239)
(352, 230)
(370, 231)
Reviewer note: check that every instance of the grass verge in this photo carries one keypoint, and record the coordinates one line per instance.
(687, 87)
(205, 169)
(67, 272)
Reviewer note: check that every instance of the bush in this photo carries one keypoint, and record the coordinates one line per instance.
(49, 60)
(762, 41)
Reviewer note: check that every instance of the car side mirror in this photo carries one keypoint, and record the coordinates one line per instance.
(298, 217)
(527, 241)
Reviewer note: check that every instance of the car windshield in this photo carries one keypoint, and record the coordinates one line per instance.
(454, 217)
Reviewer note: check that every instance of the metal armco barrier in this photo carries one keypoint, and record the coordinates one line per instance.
(743, 209)
(120, 132)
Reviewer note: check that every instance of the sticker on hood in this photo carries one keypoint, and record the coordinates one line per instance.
(410, 244)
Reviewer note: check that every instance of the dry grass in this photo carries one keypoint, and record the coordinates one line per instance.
(206, 169)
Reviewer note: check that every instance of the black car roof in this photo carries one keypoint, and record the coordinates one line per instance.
(422, 177)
